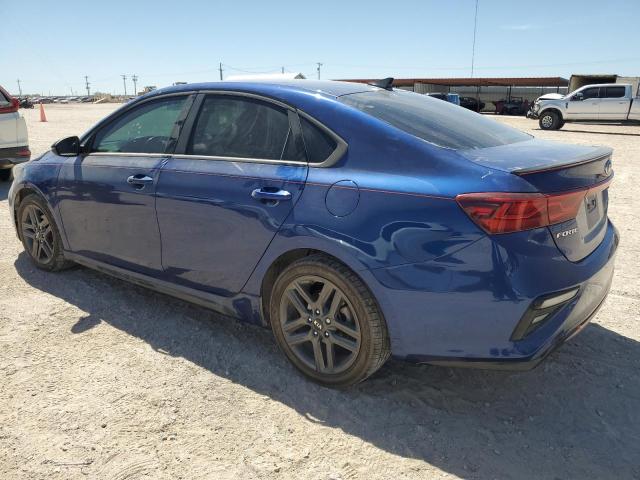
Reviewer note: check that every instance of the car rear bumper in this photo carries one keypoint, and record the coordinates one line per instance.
(14, 155)
(468, 312)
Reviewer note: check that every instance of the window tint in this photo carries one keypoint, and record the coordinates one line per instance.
(145, 129)
(4, 101)
(319, 144)
(244, 128)
(614, 92)
(441, 123)
(590, 93)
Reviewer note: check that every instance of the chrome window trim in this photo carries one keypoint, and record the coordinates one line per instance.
(185, 156)
(126, 154)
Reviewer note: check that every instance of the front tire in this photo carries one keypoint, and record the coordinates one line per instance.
(550, 120)
(39, 234)
(327, 322)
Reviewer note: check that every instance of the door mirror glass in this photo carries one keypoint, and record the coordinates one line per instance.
(67, 147)
(577, 97)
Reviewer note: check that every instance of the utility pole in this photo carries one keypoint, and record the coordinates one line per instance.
(220, 71)
(283, 70)
(124, 81)
(319, 65)
(473, 49)
(86, 82)
(19, 87)
(134, 77)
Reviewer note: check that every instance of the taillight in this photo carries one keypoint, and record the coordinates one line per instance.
(24, 152)
(503, 212)
(14, 105)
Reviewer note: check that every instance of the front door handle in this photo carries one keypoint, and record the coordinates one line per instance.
(139, 180)
(268, 194)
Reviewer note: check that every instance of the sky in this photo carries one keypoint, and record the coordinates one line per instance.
(51, 45)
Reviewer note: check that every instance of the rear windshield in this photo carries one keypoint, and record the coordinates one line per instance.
(441, 123)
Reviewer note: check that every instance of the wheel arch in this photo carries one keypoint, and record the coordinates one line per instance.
(554, 109)
(24, 191)
(282, 261)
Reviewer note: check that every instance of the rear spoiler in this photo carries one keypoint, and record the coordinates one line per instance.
(575, 162)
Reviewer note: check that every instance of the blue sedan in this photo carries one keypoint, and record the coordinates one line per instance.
(357, 221)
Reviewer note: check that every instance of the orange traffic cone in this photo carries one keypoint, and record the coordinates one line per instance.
(43, 117)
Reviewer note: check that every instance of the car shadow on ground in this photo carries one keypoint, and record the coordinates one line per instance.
(4, 190)
(576, 416)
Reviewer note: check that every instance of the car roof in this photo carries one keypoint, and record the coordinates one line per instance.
(327, 88)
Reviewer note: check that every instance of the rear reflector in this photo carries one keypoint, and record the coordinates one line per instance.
(501, 212)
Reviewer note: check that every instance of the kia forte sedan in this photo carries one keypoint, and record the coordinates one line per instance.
(356, 221)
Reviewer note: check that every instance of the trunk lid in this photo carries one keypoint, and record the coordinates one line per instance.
(583, 172)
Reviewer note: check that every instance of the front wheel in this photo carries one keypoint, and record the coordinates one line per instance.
(550, 121)
(327, 322)
(39, 235)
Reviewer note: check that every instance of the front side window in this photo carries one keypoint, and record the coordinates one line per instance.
(148, 128)
(441, 123)
(590, 93)
(242, 127)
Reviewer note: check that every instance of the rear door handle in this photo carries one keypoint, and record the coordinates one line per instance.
(139, 180)
(274, 195)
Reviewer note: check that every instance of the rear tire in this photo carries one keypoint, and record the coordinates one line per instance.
(327, 322)
(550, 121)
(5, 175)
(40, 236)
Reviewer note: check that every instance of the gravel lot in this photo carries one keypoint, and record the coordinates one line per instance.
(101, 379)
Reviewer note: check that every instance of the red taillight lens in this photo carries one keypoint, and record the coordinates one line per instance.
(25, 152)
(14, 105)
(514, 212)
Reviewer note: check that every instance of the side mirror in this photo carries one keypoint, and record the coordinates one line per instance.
(578, 97)
(67, 147)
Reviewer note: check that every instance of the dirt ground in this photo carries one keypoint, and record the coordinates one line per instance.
(101, 379)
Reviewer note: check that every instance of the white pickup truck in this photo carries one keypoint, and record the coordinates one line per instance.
(610, 102)
(14, 144)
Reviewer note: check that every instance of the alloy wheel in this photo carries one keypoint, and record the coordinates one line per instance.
(319, 324)
(38, 234)
(547, 121)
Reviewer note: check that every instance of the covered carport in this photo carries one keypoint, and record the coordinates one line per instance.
(487, 89)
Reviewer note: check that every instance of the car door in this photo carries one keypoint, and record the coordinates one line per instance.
(614, 105)
(238, 170)
(107, 197)
(584, 105)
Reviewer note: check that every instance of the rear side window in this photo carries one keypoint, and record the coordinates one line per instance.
(240, 127)
(441, 123)
(319, 144)
(4, 101)
(614, 92)
(147, 128)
